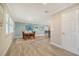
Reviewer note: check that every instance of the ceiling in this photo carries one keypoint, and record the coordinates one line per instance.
(35, 12)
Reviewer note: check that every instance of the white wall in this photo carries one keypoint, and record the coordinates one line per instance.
(5, 39)
(56, 30)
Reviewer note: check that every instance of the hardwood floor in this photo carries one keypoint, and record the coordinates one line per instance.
(37, 47)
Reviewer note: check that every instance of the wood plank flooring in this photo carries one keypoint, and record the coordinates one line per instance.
(37, 47)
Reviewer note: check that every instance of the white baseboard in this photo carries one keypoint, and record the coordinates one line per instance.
(56, 44)
(74, 52)
(7, 49)
(64, 48)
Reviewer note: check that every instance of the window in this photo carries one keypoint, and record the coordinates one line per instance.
(9, 24)
(7, 16)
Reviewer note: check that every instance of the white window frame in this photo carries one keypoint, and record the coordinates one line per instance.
(9, 24)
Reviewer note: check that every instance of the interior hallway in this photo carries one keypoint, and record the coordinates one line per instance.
(36, 47)
(60, 20)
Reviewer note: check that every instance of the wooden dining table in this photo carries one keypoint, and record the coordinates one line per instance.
(28, 35)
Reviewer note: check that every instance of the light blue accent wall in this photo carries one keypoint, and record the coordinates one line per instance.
(39, 29)
(29, 27)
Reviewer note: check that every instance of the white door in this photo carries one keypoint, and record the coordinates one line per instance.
(69, 30)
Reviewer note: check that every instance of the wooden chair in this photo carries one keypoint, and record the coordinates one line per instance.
(28, 35)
